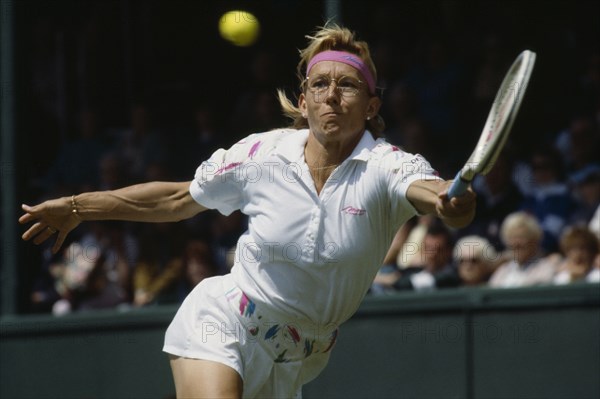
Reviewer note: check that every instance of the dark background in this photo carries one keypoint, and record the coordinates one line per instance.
(169, 53)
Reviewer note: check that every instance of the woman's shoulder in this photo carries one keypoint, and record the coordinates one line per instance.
(258, 144)
(389, 156)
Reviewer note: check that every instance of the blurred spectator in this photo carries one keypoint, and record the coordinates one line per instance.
(76, 167)
(522, 235)
(160, 265)
(594, 224)
(413, 135)
(95, 272)
(489, 72)
(43, 292)
(256, 108)
(206, 138)
(497, 197)
(400, 107)
(579, 144)
(225, 233)
(261, 113)
(112, 172)
(585, 185)
(416, 138)
(547, 196)
(139, 144)
(385, 55)
(590, 79)
(594, 227)
(435, 270)
(43, 97)
(404, 251)
(579, 247)
(406, 248)
(438, 82)
(198, 263)
(476, 258)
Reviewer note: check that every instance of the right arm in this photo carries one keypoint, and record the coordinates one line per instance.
(147, 202)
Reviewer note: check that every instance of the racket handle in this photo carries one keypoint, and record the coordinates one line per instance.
(458, 187)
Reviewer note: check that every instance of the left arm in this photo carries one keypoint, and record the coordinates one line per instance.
(431, 197)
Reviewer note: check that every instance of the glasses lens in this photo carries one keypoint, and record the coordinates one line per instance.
(346, 86)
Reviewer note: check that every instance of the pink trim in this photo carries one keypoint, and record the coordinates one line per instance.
(347, 58)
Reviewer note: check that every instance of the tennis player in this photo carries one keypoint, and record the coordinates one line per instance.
(324, 199)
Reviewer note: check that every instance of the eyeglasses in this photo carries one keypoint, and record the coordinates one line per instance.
(345, 86)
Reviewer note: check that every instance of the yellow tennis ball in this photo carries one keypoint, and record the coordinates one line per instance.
(239, 27)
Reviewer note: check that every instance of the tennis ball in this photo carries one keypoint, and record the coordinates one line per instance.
(239, 27)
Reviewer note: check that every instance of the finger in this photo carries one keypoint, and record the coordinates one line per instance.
(467, 198)
(29, 209)
(60, 239)
(43, 236)
(460, 204)
(458, 201)
(33, 231)
(28, 216)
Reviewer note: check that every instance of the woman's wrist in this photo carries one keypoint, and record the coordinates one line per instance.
(75, 208)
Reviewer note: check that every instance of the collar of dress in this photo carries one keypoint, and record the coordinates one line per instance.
(292, 148)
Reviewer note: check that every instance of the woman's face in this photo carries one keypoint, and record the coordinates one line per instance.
(472, 270)
(522, 244)
(580, 255)
(333, 116)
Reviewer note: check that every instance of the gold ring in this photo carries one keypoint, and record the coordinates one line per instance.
(51, 230)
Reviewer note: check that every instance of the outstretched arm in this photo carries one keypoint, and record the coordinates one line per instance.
(148, 202)
(431, 197)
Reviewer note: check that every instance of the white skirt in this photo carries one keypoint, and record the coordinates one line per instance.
(274, 355)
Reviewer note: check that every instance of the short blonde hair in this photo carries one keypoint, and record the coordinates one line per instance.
(329, 37)
(475, 247)
(521, 220)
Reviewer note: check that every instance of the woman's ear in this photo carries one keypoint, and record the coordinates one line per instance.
(373, 107)
(302, 105)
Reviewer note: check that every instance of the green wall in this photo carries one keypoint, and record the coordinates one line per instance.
(541, 342)
(97, 355)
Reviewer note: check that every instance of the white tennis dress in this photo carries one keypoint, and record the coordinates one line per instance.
(306, 261)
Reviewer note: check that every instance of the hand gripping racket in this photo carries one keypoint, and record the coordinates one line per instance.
(498, 124)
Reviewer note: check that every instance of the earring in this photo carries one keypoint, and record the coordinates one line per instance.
(368, 118)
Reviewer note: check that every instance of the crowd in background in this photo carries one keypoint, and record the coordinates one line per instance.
(537, 218)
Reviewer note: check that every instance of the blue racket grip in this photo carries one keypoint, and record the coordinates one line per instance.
(458, 187)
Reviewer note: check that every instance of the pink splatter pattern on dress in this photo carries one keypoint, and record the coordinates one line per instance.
(254, 149)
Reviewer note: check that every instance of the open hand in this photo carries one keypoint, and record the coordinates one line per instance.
(49, 218)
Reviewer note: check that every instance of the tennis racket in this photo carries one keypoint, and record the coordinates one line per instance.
(498, 124)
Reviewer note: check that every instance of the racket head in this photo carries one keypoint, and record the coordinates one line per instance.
(501, 117)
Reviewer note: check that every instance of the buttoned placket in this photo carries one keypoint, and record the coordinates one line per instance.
(296, 155)
(317, 212)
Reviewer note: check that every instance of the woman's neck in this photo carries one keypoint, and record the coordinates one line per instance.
(322, 157)
(322, 153)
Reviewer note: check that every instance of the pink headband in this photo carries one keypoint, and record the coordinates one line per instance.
(346, 58)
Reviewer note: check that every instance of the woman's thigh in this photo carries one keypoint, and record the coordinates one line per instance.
(195, 378)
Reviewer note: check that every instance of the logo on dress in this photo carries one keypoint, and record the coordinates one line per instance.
(350, 210)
